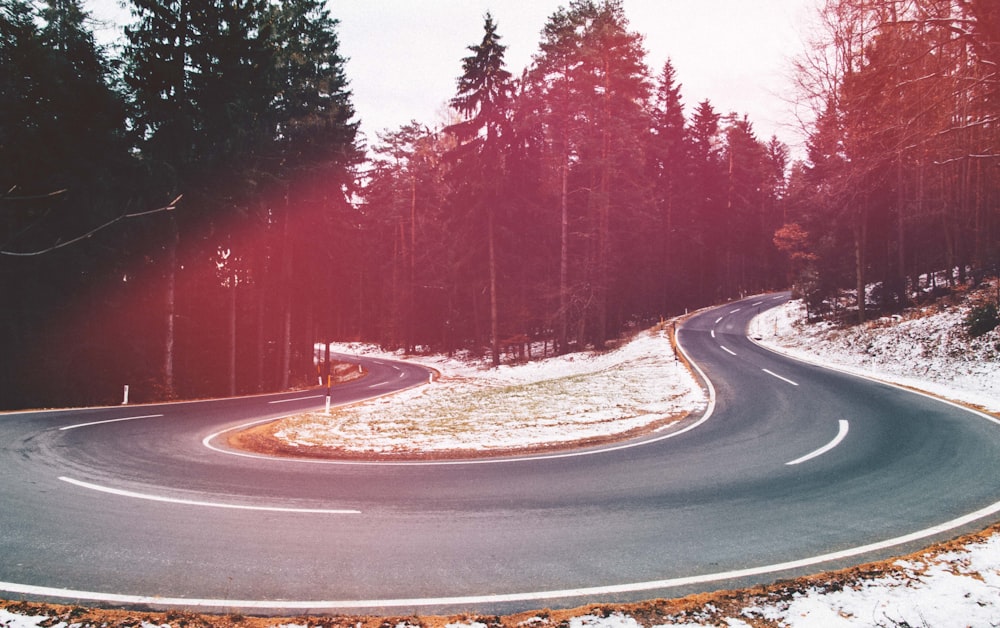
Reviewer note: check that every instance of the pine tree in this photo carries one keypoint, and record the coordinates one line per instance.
(316, 146)
(484, 94)
(669, 155)
(63, 164)
(593, 83)
(708, 197)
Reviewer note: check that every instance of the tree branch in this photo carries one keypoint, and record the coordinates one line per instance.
(172, 205)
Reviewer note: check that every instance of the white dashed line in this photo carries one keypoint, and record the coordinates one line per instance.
(841, 433)
(726, 349)
(784, 379)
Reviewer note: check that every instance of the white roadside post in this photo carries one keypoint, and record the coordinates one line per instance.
(125, 396)
(329, 378)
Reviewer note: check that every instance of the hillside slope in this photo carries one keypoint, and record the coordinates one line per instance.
(926, 348)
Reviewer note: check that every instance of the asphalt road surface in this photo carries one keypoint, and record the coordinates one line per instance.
(794, 469)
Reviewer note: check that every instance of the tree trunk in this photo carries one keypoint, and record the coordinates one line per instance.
(564, 256)
(170, 307)
(261, 341)
(603, 238)
(286, 337)
(860, 237)
(232, 333)
(494, 323)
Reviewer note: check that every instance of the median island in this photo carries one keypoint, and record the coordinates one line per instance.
(570, 401)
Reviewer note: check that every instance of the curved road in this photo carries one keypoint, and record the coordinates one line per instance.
(796, 469)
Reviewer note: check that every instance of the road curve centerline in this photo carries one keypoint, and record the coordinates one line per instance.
(844, 426)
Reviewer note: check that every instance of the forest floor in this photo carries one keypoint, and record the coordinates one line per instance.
(950, 584)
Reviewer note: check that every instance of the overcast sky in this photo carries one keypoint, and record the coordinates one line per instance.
(405, 55)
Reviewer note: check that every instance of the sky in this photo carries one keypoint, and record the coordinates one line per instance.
(404, 56)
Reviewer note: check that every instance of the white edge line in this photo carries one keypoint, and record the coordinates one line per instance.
(189, 502)
(841, 434)
(784, 379)
(128, 418)
(668, 583)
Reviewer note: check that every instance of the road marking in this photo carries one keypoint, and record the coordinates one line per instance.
(615, 589)
(719, 319)
(726, 349)
(189, 502)
(756, 304)
(736, 310)
(713, 333)
(128, 418)
(297, 399)
(841, 433)
(784, 379)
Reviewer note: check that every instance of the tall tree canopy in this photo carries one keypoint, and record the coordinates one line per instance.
(484, 94)
(904, 153)
(562, 206)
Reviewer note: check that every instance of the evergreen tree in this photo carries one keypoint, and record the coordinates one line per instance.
(590, 71)
(63, 172)
(484, 93)
(669, 154)
(316, 146)
(708, 187)
(236, 100)
(313, 113)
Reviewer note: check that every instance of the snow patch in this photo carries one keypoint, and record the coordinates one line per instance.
(928, 351)
(558, 400)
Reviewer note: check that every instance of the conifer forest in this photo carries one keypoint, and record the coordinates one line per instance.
(191, 213)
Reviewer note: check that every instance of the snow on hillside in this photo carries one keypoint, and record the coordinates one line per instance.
(926, 349)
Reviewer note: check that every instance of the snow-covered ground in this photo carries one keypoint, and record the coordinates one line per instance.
(926, 349)
(595, 395)
(578, 397)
